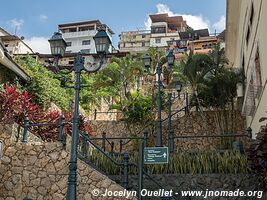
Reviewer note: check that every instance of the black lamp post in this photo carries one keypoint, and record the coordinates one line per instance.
(178, 87)
(58, 47)
(147, 62)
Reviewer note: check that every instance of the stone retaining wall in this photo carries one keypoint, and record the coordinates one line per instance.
(192, 124)
(40, 170)
(203, 182)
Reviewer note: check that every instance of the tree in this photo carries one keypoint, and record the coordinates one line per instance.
(118, 78)
(213, 85)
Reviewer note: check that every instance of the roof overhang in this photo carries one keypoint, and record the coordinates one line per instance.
(7, 61)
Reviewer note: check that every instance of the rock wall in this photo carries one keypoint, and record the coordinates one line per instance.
(39, 171)
(203, 182)
(192, 124)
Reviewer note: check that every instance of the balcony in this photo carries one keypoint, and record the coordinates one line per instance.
(79, 34)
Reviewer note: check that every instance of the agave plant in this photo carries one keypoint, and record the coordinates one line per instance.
(180, 163)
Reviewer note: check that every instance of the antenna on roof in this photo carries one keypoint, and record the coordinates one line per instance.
(16, 27)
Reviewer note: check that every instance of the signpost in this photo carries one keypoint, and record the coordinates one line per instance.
(156, 155)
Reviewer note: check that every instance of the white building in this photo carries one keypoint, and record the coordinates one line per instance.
(7, 63)
(79, 35)
(14, 44)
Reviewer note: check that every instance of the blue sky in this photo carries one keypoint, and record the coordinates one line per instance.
(36, 20)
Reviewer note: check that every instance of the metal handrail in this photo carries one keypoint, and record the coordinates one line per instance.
(105, 154)
(176, 112)
(118, 138)
(61, 137)
(210, 136)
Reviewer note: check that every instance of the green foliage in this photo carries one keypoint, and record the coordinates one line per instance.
(44, 84)
(196, 68)
(214, 84)
(220, 88)
(136, 108)
(180, 163)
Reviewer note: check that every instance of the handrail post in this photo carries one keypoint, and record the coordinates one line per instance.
(61, 129)
(125, 170)
(95, 114)
(171, 141)
(140, 169)
(145, 138)
(25, 132)
(84, 146)
(249, 132)
(112, 147)
(121, 144)
(104, 135)
(187, 104)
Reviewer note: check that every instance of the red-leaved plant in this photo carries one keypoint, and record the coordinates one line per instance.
(15, 106)
(257, 156)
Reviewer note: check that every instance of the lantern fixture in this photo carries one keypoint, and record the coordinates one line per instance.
(57, 45)
(102, 42)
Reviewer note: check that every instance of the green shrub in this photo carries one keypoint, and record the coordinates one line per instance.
(44, 85)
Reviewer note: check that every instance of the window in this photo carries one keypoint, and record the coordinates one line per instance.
(86, 42)
(248, 35)
(73, 30)
(6, 45)
(85, 50)
(250, 23)
(251, 14)
(143, 44)
(68, 44)
(143, 36)
(158, 29)
(258, 72)
(158, 40)
(71, 62)
(86, 28)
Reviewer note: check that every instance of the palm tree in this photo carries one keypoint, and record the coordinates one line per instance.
(196, 68)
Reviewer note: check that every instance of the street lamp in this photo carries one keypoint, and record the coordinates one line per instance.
(171, 59)
(147, 63)
(58, 47)
(178, 87)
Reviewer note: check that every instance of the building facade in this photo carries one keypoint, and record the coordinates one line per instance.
(246, 49)
(14, 44)
(197, 41)
(134, 41)
(9, 70)
(79, 35)
(163, 29)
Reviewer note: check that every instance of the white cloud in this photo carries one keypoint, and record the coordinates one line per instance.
(43, 17)
(39, 44)
(219, 26)
(16, 23)
(163, 8)
(195, 21)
